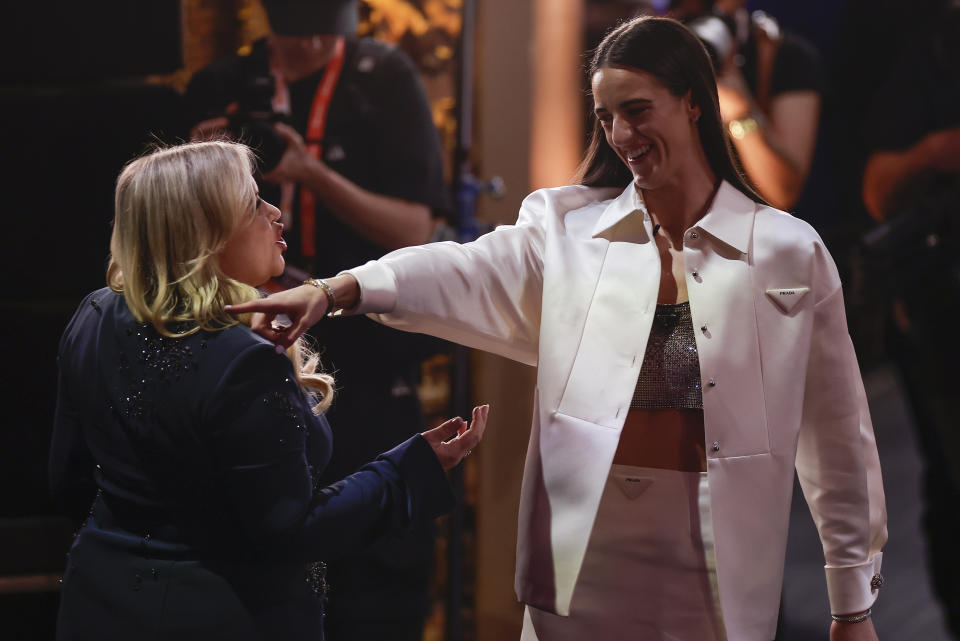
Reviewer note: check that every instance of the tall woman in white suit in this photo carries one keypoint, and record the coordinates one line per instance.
(692, 351)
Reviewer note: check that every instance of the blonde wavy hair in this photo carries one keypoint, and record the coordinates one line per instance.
(175, 209)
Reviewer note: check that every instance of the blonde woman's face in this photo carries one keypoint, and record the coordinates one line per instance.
(254, 252)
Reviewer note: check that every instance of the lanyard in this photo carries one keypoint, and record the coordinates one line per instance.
(316, 125)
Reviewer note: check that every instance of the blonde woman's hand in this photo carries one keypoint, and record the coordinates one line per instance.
(455, 439)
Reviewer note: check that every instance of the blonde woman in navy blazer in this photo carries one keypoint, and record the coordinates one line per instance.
(204, 445)
(660, 219)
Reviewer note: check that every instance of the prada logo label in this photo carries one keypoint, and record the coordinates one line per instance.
(632, 486)
(787, 299)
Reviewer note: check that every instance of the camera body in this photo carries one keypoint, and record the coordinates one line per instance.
(722, 34)
(253, 121)
(718, 38)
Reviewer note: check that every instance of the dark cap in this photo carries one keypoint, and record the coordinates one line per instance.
(312, 17)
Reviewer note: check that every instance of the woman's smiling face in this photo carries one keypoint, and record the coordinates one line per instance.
(652, 131)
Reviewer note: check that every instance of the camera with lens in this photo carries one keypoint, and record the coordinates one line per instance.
(717, 35)
(253, 121)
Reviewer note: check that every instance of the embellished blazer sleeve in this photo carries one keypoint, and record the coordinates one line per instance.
(259, 422)
(485, 294)
(70, 465)
(837, 460)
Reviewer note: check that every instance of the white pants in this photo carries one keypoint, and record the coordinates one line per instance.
(648, 573)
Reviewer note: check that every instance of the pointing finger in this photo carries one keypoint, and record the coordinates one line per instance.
(256, 305)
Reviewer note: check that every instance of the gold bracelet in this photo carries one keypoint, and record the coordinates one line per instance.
(741, 127)
(319, 283)
(855, 619)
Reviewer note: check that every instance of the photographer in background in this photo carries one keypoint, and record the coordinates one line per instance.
(911, 183)
(769, 83)
(348, 148)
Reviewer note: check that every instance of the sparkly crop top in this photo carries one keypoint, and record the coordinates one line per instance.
(670, 374)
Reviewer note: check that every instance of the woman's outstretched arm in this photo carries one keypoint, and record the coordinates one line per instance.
(260, 433)
(302, 306)
(485, 294)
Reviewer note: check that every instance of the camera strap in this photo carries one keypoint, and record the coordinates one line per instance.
(316, 126)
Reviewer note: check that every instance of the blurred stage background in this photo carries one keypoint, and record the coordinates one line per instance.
(84, 87)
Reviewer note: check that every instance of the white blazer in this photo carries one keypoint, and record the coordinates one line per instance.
(572, 288)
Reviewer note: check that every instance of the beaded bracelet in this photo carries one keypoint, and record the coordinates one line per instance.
(854, 619)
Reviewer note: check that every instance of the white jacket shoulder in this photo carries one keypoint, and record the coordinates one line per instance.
(571, 205)
(794, 244)
(562, 200)
(783, 223)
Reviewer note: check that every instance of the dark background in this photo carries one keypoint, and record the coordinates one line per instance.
(73, 109)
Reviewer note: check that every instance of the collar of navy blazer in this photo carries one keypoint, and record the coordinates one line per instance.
(728, 219)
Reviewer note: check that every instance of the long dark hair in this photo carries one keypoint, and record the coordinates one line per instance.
(671, 52)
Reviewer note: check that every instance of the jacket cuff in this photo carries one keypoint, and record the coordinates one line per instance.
(429, 494)
(378, 288)
(854, 588)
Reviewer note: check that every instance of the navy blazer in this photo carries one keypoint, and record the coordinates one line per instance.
(204, 452)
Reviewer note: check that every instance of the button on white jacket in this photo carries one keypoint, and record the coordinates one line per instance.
(572, 288)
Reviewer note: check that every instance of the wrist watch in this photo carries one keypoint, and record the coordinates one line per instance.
(742, 127)
(321, 284)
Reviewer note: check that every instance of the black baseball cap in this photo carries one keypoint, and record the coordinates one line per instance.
(312, 17)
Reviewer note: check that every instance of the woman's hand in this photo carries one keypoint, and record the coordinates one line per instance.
(304, 306)
(862, 631)
(454, 440)
(736, 101)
